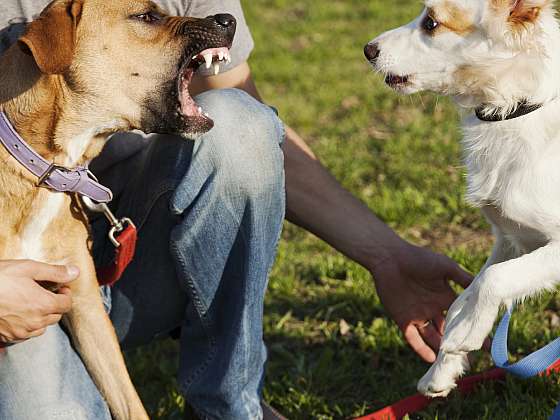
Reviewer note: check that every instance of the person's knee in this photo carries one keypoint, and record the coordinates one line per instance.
(245, 142)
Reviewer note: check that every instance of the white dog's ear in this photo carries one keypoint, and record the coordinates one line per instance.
(52, 37)
(523, 12)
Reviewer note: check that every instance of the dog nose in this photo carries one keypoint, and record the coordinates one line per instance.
(371, 51)
(226, 20)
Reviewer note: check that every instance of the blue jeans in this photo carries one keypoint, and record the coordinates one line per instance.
(209, 214)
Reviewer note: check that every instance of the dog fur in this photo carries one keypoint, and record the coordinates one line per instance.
(83, 70)
(491, 54)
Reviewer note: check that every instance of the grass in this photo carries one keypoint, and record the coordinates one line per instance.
(333, 352)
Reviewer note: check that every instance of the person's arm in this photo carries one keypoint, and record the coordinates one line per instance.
(412, 282)
(27, 308)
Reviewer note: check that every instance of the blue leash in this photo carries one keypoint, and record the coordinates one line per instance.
(529, 366)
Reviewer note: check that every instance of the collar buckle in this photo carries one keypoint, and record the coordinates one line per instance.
(43, 178)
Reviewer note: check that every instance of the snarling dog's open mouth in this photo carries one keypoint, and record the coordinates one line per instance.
(203, 43)
(187, 107)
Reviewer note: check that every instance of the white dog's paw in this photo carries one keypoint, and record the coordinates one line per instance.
(439, 381)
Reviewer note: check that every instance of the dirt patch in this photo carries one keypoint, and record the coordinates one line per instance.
(452, 236)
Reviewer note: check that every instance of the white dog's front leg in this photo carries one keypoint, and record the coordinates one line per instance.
(502, 251)
(474, 312)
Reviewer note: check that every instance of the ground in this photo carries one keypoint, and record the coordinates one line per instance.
(333, 352)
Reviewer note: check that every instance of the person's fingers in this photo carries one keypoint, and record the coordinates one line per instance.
(58, 303)
(414, 339)
(430, 335)
(439, 323)
(64, 291)
(52, 319)
(487, 345)
(37, 333)
(459, 276)
(47, 272)
(447, 297)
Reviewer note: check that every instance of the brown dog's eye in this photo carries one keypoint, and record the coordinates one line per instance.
(429, 24)
(148, 17)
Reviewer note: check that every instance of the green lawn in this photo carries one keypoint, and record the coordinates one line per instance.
(401, 156)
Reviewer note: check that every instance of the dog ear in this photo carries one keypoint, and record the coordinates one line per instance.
(52, 37)
(525, 11)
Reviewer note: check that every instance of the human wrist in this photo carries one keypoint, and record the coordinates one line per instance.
(390, 251)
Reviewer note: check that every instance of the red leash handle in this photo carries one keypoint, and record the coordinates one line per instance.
(123, 235)
(419, 402)
(126, 239)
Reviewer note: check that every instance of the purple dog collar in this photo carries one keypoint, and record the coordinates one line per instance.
(55, 177)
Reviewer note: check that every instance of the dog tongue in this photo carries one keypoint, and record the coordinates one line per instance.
(189, 107)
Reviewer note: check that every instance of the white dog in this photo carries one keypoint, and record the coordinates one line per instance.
(500, 61)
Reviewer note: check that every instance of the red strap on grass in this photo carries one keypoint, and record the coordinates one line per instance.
(418, 402)
(108, 276)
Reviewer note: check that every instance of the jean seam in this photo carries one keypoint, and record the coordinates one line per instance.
(244, 238)
(164, 188)
(282, 129)
(207, 326)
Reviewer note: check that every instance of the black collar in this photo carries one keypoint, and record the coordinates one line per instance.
(522, 108)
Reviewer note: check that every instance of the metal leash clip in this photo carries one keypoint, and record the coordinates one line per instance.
(117, 225)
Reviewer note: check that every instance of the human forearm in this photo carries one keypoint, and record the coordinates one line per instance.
(318, 203)
(411, 282)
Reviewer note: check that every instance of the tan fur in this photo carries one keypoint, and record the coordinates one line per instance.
(472, 79)
(54, 52)
(452, 18)
(91, 80)
(519, 12)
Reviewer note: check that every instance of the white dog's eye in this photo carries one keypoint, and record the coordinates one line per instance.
(429, 24)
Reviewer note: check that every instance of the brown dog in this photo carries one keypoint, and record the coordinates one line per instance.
(83, 70)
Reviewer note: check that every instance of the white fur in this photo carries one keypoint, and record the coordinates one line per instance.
(513, 166)
(38, 221)
(79, 144)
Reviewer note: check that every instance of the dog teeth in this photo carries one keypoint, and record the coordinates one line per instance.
(208, 58)
(200, 109)
(213, 58)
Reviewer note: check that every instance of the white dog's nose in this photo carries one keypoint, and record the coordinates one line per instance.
(371, 51)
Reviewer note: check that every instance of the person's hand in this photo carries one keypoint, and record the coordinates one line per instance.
(414, 287)
(27, 308)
